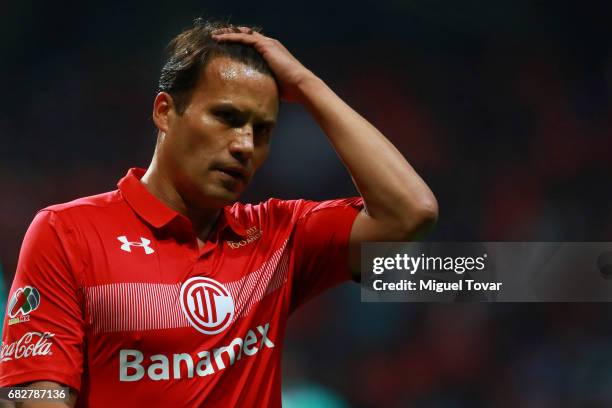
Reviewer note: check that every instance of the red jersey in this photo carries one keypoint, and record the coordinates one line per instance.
(114, 298)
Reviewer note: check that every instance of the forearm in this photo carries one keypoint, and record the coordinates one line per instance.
(398, 201)
(391, 189)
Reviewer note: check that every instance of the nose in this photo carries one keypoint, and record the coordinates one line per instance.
(241, 146)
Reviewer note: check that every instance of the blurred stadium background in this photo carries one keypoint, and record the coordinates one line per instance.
(503, 107)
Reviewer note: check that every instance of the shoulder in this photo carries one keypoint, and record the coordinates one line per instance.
(72, 226)
(279, 210)
(102, 200)
(273, 208)
(99, 208)
(89, 206)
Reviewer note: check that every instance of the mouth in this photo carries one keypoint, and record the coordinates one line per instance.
(235, 172)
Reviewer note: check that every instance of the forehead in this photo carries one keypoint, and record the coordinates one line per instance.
(226, 80)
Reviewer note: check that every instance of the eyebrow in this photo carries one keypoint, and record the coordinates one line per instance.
(230, 107)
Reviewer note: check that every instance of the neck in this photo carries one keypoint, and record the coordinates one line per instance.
(163, 188)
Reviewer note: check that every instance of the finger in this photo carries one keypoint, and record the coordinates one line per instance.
(238, 37)
(240, 30)
(259, 35)
(224, 30)
(246, 30)
(232, 29)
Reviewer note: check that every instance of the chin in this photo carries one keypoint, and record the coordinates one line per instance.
(220, 197)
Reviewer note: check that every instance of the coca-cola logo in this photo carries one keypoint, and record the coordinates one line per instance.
(30, 344)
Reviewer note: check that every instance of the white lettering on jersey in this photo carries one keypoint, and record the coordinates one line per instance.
(25, 347)
(131, 368)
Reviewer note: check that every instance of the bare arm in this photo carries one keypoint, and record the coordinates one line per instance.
(399, 205)
(48, 385)
(398, 202)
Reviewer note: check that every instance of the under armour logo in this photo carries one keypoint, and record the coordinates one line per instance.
(144, 243)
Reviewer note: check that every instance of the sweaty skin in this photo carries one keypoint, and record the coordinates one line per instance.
(226, 128)
(399, 205)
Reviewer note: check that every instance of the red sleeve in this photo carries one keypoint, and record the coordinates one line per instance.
(320, 246)
(43, 327)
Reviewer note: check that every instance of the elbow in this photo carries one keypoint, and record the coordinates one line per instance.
(428, 212)
(421, 220)
(408, 221)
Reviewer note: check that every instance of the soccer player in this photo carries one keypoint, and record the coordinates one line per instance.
(167, 292)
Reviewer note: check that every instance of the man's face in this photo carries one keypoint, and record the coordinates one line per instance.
(216, 145)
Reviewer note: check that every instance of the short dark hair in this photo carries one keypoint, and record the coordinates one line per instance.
(190, 52)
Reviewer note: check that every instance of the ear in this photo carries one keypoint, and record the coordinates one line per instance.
(163, 111)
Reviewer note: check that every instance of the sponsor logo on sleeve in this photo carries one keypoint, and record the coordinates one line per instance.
(24, 301)
(30, 344)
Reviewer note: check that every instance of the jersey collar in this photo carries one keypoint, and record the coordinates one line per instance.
(156, 213)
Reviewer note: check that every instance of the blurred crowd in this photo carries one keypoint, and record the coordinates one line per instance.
(503, 109)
